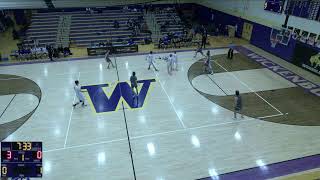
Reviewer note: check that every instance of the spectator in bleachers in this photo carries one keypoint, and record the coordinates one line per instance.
(66, 51)
(166, 41)
(131, 42)
(140, 19)
(87, 10)
(36, 42)
(147, 40)
(170, 35)
(216, 32)
(225, 32)
(101, 44)
(15, 34)
(317, 44)
(2, 27)
(144, 28)
(130, 24)
(145, 7)
(163, 28)
(8, 21)
(220, 29)
(185, 32)
(108, 43)
(55, 52)
(236, 31)
(137, 29)
(116, 24)
(192, 32)
(99, 10)
(160, 43)
(167, 9)
(60, 49)
(125, 8)
(92, 44)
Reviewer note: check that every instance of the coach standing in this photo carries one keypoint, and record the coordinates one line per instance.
(50, 52)
(204, 37)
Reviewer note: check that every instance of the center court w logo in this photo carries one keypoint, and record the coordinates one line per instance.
(122, 92)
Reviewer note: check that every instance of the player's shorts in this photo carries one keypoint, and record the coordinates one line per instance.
(108, 59)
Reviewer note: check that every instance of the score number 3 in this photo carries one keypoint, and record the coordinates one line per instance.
(25, 146)
(9, 155)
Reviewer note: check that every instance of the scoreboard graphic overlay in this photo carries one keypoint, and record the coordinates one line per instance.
(21, 159)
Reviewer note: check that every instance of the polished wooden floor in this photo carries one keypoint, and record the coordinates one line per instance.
(177, 134)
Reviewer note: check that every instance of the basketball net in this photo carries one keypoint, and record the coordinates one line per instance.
(273, 42)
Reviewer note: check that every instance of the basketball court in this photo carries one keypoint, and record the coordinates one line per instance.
(181, 128)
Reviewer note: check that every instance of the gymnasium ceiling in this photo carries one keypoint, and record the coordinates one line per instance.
(38, 4)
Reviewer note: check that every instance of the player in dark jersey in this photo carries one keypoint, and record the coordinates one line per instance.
(134, 86)
(237, 104)
(133, 81)
(108, 59)
(207, 68)
(198, 50)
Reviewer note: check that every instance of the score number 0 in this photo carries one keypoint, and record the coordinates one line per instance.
(4, 170)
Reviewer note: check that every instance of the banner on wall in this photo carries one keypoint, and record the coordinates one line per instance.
(307, 57)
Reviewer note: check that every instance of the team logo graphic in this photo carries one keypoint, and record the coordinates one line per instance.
(122, 92)
(315, 60)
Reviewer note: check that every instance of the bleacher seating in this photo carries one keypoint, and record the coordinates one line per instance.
(85, 28)
(63, 35)
(43, 28)
(175, 25)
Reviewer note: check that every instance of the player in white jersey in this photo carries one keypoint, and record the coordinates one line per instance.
(170, 61)
(79, 94)
(150, 59)
(175, 61)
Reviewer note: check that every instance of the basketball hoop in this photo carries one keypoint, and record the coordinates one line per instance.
(273, 42)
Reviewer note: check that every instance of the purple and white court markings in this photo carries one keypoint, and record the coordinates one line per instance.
(272, 170)
(289, 75)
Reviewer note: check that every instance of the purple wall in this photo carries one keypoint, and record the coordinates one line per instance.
(260, 34)
(204, 15)
(261, 38)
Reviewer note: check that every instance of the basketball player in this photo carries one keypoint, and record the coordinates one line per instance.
(199, 50)
(230, 53)
(170, 61)
(150, 59)
(207, 64)
(134, 84)
(237, 105)
(80, 96)
(175, 61)
(108, 60)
